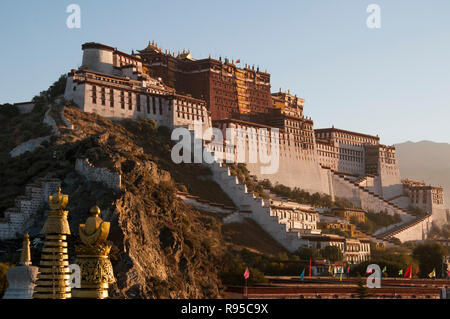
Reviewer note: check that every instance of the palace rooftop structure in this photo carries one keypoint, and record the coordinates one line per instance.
(177, 89)
(112, 83)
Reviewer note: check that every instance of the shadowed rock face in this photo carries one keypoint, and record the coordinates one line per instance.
(159, 249)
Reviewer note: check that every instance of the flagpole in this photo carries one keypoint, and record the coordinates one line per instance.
(246, 290)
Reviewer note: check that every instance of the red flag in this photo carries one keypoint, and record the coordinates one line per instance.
(238, 61)
(348, 269)
(246, 273)
(309, 267)
(408, 273)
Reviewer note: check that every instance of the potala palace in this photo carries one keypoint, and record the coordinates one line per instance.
(177, 90)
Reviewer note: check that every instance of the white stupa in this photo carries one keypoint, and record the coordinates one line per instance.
(22, 278)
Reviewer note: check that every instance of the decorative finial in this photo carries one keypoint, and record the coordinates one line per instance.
(58, 201)
(25, 256)
(94, 211)
(95, 230)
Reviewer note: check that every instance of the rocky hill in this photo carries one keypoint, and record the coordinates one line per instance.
(163, 248)
(426, 161)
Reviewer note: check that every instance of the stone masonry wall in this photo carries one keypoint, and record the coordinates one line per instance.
(17, 219)
(100, 175)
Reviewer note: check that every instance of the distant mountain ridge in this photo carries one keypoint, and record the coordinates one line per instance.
(426, 161)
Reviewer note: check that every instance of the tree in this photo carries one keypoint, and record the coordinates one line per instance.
(307, 253)
(429, 256)
(332, 253)
(362, 291)
(8, 110)
(394, 258)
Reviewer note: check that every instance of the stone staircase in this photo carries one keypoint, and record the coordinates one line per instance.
(258, 209)
(408, 219)
(377, 239)
(390, 206)
(16, 219)
(400, 228)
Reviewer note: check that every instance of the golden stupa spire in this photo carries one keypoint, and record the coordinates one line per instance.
(93, 258)
(25, 256)
(54, 270)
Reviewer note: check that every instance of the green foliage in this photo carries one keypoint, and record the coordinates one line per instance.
(376, 221)
(394, 259)
(307, 253)
(368, 226)
(416, 211)
(164, 131)
(283, 264)
(8, 111)
(429, 255)
(55, 90)
(336, 231)
(300, 196)
(362, 291)
(395, 240)
(241, 172)
(233, 272)
(437, 232)
(332, 253)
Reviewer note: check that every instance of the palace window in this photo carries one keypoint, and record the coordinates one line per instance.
(138, 102)
(94, 94)
(148, 104)
(103, 96)
(111, 98)
(154, 104)
(129, 101)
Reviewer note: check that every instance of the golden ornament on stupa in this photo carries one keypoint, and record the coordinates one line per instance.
(54, 271)
(25, 255)
(93, 258)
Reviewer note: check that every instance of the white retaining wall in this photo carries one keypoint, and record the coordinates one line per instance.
(418, 231)
(101, 175)
(258, 210)
(17, 219)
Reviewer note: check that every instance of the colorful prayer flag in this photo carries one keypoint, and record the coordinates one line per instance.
(432, 274)
(408, 272)
(238, 61)
(384, 269)
(400, 272)
(302, 275)
(309, 267)
(246, 273)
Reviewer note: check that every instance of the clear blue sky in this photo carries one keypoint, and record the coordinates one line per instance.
(393, 81)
